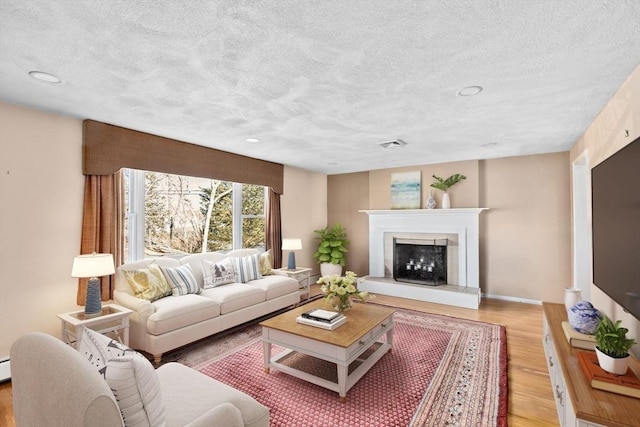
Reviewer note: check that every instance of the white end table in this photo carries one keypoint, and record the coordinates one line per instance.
(113, 319)
(301, 274)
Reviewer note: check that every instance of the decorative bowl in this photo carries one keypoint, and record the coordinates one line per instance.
(584, 317)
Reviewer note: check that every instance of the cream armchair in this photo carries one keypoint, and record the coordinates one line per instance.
(53, 385)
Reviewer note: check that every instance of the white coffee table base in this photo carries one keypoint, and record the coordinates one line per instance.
(341, 356)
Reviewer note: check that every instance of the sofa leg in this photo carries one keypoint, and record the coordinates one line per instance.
(156, 359)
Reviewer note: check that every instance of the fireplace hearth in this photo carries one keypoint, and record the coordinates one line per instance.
(420, 261)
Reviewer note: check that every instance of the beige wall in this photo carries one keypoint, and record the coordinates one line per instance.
(304, 209)
(349, 195)
(604, 137)
(525, 235)
(41, 185)
(525, 240)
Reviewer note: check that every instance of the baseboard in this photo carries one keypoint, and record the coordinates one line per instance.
(5, 369)
(513, 299)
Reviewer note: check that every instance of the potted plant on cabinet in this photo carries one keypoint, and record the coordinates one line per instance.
(444, 185)
(331, 249)
(612, 346)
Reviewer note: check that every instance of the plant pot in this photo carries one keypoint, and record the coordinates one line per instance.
(614, 365)
(327, 269)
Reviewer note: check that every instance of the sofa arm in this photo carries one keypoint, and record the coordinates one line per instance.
(225, 414)
(139, 305)
(142, 309)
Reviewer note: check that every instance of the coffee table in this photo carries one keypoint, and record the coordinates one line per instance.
(353, 347)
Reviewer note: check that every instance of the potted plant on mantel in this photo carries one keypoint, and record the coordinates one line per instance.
(331, 249)
(612, 346)
(444, 185)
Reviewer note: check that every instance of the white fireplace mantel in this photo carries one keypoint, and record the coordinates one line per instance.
(465, 223)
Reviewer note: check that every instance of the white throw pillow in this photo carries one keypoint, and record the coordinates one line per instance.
(181, 280)
(247, 268)
(216, 274)
(130, 376)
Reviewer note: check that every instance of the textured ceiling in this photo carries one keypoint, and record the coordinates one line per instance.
(322, 83)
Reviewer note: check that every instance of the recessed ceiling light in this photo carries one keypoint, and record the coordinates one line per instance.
(252, 140)
(44, 77)
(470, 91)
(489, 144)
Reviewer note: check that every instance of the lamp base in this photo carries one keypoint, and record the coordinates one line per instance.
(291, 265)
(93, 301)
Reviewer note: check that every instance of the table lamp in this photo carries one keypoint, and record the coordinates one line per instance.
(93, 266)
(291, 245)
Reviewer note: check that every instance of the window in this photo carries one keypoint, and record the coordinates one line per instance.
(168, 215)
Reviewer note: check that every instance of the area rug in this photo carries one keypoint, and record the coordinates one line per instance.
(442, 371)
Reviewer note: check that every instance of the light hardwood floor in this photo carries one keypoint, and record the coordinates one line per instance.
(530, 397)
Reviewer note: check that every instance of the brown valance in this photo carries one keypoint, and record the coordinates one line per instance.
(107, 149)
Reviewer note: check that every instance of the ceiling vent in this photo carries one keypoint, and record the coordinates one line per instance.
(393, 144)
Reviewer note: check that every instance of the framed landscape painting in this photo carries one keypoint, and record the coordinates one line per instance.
(405, 190)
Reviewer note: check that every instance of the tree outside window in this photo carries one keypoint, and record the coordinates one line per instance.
(178, 209)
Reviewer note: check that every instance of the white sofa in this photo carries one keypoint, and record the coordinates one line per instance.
(54, 385)
(174, 321)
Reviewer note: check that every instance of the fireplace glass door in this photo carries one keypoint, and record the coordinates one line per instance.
(421, 261)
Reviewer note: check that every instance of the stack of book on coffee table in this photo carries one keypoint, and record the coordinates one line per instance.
(324, 319)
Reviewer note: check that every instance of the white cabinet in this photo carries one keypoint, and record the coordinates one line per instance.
(577, 403)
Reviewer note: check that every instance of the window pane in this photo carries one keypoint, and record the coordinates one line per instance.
(252, 200)
(253, 233)
(178, 210)
(217, 212)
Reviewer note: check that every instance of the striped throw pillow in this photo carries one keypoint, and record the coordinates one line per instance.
(247, 268)
(181, 280)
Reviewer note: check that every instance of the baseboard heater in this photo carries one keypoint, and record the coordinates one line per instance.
(5, 369)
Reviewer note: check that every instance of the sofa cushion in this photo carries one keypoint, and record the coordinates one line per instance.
(247, 268)
(173, 313)
(217, 273)
(148, 283)
(266, 266)
(130, 376)
(178, 381)
(275, 286)
(181, 280)
(234, 296)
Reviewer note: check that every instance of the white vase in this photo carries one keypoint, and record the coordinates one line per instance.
(446, 203)
(327, 269)
(614, 365)
(572, 296)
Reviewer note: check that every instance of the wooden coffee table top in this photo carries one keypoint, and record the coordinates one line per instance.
(361, 319)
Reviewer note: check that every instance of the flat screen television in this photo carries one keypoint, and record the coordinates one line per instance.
(615, 202)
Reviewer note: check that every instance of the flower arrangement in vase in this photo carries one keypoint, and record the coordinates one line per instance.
(340, 289)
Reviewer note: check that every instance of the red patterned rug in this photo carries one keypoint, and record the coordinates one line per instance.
(442, 371)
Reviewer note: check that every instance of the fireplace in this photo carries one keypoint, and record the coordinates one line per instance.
(420, 261)
(459, 228)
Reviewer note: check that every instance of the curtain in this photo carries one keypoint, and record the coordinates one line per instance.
(102, 225)
(273, 227)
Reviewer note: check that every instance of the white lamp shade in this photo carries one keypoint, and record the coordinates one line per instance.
(291, 244)
(94, 265)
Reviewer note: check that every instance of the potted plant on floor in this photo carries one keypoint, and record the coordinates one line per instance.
(331, 249)
(444, 185)
(612, 346)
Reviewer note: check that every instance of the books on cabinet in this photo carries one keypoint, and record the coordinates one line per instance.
(627, 384)
(322, 319)
(577, 339)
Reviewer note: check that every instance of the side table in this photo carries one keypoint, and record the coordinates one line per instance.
(113, 319)
(301, 274)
